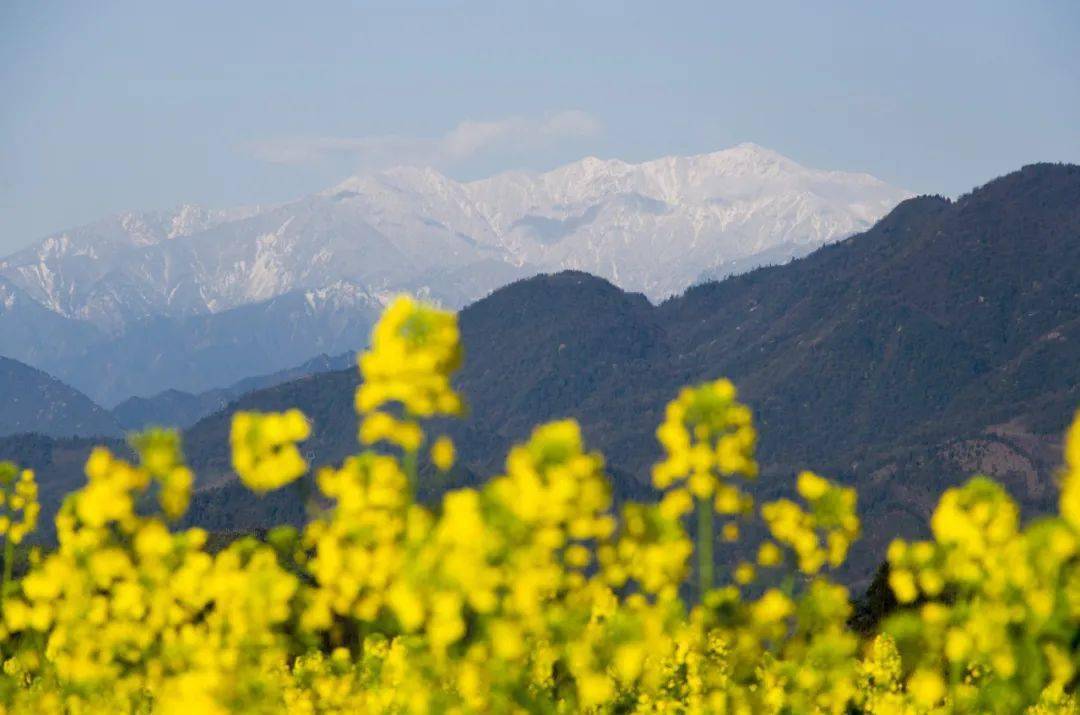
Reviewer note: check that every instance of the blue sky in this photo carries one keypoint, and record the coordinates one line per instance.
(116, 105)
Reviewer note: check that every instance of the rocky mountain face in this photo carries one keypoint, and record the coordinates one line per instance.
(136, 303)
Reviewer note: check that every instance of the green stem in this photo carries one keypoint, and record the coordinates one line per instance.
(307, 495)
(409, 462)
(704, 547)
(787, 585)
(9, 558)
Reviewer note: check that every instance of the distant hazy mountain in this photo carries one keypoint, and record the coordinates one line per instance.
(651, 227)
(143, 302)
(35, 402)
(174, 408)
(34, 334)
(117, 270)
(202, 352)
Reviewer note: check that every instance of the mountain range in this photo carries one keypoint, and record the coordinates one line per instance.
(35, 402)
(196, 299)
(183, 409)
(39, 403)
(942, 342)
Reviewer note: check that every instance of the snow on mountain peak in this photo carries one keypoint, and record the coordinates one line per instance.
(654, 226)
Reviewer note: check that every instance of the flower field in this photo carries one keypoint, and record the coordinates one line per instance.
(531, 593)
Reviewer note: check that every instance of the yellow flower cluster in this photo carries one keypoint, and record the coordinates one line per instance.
(406, 377)
(708, 437)
(264, 451)
(996, 613)
(19, 510)
(18, 503)
(819, 536)
(442, 453)
(124, 615)
(414, 351)
(159, 455)
(1069, 504)
(531, 593)
(413, 355)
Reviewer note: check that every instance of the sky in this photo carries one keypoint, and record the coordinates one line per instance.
(111, 106)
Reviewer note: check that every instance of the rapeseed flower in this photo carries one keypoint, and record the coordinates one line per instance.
(531, 592)
(264, 451)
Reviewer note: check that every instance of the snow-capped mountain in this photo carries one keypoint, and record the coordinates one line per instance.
(655, 227)
(110, 272)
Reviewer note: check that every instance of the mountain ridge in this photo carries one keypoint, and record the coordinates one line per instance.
(133, 282)
(35, 402)
(176, 408)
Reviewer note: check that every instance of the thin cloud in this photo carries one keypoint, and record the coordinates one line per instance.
(468, 140)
